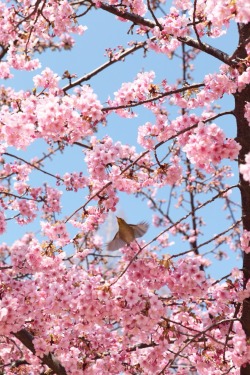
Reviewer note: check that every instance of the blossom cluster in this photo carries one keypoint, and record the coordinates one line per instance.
(24, 29)
(173, 25)
(245, 168)
(132, 92)
(244, 241)
(108, 161)
(84, 301)
(50, 116)
(208, 146)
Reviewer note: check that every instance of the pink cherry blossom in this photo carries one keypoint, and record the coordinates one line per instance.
(2, 222)
(245, 168)
(245, 241)
(162, 303)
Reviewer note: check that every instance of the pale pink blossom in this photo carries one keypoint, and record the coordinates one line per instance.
(245, 168)
(244, 241)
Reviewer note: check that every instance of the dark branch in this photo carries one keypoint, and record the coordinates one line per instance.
(48, 359)
(138, 20)
(115, 59)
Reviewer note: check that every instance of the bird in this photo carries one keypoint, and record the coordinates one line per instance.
(126, 233)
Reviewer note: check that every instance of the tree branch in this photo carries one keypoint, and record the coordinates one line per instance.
(160, 96)
(48, 359)
(33, 166)
(114, 60)
(138, 20)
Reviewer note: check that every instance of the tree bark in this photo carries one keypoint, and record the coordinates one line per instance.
(243, 137)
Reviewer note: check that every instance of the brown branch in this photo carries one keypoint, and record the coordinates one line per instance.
(39, 11)
(243, 138)
(128, 265)
(153, 15)
(191, 329)
(138, 20)
(83, 145)
(206, 242)
(37, 162)
(214, 325)
(193, 217)
(237, 309)
(33, 166)
(114, 60)
(191, 213)
(135, 18)
(167, 216)
(83, 13)
(48, 359)
(3, 52)
(29, 16)
(176, 91)
(89, 200)
(194, 25)
(193, 127)
(20, 196)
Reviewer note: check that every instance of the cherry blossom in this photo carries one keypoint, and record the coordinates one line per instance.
(162, 304)
(245, 168)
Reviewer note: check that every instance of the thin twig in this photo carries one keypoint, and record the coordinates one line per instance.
(116, 58)
(194, 25)
(206, 242)
(33, 166)
(153, 15)
(190, 213)
(138, 20)
(214, 325)
(162, 95)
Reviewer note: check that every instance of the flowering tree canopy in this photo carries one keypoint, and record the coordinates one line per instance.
(68, 305)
